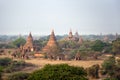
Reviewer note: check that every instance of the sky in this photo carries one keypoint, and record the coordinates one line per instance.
(41, 16)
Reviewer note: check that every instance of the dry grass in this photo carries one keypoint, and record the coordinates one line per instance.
(85, 64)
(42, 62)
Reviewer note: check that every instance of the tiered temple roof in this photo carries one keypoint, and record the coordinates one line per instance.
(75, 37)
(51, 43)
(80, 40)
(29, 43)
(70, 34)
(106, 39)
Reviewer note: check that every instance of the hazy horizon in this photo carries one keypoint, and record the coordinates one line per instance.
(41, 16)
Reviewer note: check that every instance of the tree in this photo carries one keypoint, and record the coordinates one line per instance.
(98, 45)
(40, 43)
(59, 72)
(93, 71)
(5, 61)
(68, 44)
(111, 67)
(108, 65)
(116, 46)
(6, 46)
(19, 41)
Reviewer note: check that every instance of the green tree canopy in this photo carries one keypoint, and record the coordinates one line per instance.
(68, 44)
(93, 71)
(19, 41)
(5, 61)
(116, 46)
(98, 45)
(59, 72)
(108, 64)
(111, 67)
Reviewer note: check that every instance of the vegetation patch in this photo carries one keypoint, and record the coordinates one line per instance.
(59, 72)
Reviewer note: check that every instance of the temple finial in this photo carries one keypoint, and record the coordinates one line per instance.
(52, 30)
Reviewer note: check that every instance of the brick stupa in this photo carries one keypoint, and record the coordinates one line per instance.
(29, 44)
(70, 36)
(51, 43)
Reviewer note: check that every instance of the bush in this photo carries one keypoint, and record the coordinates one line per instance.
(6, 46)
(1, 69)
(116, 46)
(18, 76)
(15, 66)
(93, 71)
(98, 45)
(59, 72)
(19, 41)
(110, 79)
(108, 65)
(111, 68)
(5, 61)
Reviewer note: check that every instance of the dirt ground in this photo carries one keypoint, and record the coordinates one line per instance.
(42, 62)
(39, 62)
(85, 64)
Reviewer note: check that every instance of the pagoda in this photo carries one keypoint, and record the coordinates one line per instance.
(29, 43)
(52, 43)
(106, 39)
(116, 36)
(70, 36)
(80, 40)
(76, 37)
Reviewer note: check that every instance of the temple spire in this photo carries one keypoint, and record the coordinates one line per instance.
(51, 42)
(70, 34)
(29, 43)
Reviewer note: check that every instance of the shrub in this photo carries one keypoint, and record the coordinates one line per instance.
(5, 61)
(18, 76)
(1, 69)
(59, 72)
(108, 65)
(93, 71)
(111, 68)
(98, 45)
(15, 66)
(19, 41)
(110, 79)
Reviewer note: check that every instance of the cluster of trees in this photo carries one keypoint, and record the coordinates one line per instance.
(111, 67)
(68, 44)
(6, 46)
(93, 71)
(116, 46)
(14, 44)
(19, 41)
(87, 45)
(86, 49)
(97, 46)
